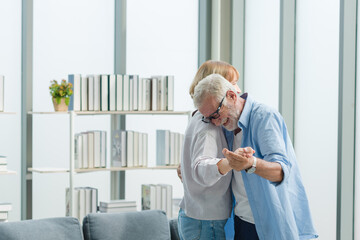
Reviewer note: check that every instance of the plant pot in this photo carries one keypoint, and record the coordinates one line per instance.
(62, 107)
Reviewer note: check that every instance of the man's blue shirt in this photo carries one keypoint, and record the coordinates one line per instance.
(281, 210)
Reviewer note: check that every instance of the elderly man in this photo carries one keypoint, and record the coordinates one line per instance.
(271, 202)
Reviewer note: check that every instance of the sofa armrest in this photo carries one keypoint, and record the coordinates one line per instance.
(149, 224)
(42, 229)
(174, 232)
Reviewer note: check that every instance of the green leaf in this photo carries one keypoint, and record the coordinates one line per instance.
(58, 100)
(67, 101)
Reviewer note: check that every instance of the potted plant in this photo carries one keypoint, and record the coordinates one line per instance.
(61, 94)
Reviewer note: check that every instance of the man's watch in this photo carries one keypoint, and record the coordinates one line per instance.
(252, 168)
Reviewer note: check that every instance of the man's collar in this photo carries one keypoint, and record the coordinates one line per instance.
(245, 114)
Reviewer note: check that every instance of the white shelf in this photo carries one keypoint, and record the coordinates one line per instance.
(7, 113)
(119, 112)
(83, 170)
(7, 172)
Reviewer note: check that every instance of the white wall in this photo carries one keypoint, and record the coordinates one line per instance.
(262, 29)
(69, 37)
(316, 107)
(10, 135)
(162, 39)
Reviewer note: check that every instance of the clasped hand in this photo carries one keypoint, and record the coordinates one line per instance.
(241, 159)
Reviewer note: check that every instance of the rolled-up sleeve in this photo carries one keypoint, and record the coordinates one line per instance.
(269, 142)
(206, 153)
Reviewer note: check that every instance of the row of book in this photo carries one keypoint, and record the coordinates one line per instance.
(4, 211)
(3, 164)
(2, 79)
(129, 149)
(117, 92)
(168, 147)
(90, 149)
(85, 202)
(158, 197)
(115, 206)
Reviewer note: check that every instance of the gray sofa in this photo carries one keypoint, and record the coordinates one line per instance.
(152, 224)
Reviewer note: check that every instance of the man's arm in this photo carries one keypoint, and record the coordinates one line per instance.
(243, 160)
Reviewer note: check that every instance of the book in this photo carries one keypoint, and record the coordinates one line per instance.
(162, 91)
(148, 197)
(117, 203)
(116, 210)
(136, 149)
(158, 192)
(154, 94)
(2, 85)
(141, 95)
(88, 198)
(82, 204)
(78, 161)
(3, 168)
(90, 136)
(130, 148)
(97, 92)
(145, 149)
(167, 199)
(97, 152)
(116, 148)
(162, 147)
(5, 207)
(85, 151)
(170, 93)
(163, 198)
(119, 92)
(104, 92)
(123, 149)
(112, 92)
(75, 99)
(177, 149)
(126, 90)
(103, 149)
(131, 93)
(91, 86)
(147, 99)
(84, 93)
(3, 160)
(140, 150)
(135, 92)
(172, 149)
(3, 215)
(94, 200)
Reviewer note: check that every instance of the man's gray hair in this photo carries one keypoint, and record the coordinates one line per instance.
(213, 85)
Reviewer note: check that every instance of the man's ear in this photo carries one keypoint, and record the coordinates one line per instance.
(230, 95)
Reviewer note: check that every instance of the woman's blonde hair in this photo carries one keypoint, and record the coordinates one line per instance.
(209, 67)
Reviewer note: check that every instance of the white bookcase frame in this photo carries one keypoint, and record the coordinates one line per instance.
(72, 169)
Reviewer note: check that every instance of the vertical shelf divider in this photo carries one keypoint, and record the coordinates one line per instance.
(72, 165)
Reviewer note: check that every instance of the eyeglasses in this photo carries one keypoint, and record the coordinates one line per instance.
(214, 115)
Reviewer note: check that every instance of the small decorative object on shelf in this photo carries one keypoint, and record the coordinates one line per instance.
(61, 94)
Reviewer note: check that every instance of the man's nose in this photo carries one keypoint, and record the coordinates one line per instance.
(216, 122)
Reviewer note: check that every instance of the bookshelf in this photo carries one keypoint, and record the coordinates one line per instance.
(72, 171)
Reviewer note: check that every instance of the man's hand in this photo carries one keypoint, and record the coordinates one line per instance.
(239, 159)
(178, 170)
(245, 152)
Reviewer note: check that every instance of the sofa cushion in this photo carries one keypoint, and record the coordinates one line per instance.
(42, 229)
(149, 224)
